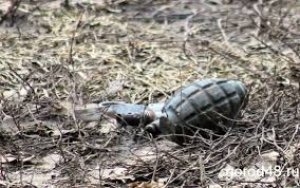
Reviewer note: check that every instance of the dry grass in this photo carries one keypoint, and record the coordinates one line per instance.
(57, 54)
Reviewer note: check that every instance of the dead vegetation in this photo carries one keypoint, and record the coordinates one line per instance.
(57, 54)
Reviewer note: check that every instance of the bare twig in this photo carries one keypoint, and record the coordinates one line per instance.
(14, 5)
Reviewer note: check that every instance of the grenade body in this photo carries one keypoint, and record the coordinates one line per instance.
(208, 104)
(202, 105)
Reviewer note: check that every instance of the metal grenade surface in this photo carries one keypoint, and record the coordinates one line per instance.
(202, 105)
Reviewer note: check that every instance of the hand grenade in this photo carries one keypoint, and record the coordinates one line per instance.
(199, 106)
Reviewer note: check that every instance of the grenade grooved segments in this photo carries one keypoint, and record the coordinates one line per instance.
(202, 104)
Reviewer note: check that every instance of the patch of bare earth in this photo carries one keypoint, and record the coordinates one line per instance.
(58, 54)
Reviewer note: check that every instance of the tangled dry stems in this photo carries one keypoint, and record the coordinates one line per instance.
(53, 58)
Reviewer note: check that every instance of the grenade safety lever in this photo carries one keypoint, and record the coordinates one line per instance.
(124, 113)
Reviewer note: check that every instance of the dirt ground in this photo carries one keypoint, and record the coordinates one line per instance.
(57, 54)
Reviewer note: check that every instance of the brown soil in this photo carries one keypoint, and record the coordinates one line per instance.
(58, 54)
